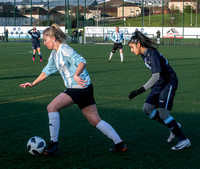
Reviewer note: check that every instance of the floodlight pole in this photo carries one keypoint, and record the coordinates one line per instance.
(142, 13)
(48, 13)
(123, 13)
(85, 14)
(65, 15)
(103, 13)
(77, 15)
(196, 11)
(68, 21)
(162, 19)
(191, 13)
(31, 14)
(14, 13)
(183, 21)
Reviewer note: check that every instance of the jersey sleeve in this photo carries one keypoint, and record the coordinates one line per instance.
(29, 32)
(70, 56)
(155, 62)
(50, 68)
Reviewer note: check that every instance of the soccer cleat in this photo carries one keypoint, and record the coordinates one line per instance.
(33, 58)
(182, 144)
(171, 134)
(52, 147)
(120, 147)
(109, 60)
(41, 60)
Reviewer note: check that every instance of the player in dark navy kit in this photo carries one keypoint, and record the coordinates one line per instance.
(163, 84)
(35, 43)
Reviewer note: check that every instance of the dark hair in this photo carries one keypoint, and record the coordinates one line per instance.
(139, 37)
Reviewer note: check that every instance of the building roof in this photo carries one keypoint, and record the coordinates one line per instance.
(55, 3)
(182, 1)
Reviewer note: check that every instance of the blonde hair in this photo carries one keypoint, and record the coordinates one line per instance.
(54, 30)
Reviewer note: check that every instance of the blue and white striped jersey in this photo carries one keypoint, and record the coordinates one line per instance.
(66, 61)
(117, 37)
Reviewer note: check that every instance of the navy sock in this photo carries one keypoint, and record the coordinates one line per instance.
(155, 116)
(173, 126)
(40, 55)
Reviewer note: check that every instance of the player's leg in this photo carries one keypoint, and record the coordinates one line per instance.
(91, 114)
(34, 52)
(113, 51)
(151, 111)
(151, 104)
(165, 106)
(39, 52)
(60, 102)
(121, 52)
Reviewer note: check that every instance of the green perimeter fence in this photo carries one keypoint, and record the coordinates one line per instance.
(77, 14)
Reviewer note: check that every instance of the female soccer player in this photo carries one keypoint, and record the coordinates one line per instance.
(35, 42)
(163, 82)
(117, 38)
(71, 67)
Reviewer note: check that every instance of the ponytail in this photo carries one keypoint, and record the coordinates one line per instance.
(54, 30)
(139, 37)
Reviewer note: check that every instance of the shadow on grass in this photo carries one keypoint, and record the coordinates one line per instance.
(83, 146)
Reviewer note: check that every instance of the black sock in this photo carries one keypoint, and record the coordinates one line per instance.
(173, 126)
(40, 56)
(157, 118)
(33, 55)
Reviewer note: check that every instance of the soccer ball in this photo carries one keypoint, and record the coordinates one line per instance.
(36, 145)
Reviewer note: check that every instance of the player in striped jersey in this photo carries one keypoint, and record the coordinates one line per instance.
(163, 83)
(79, 89)
(117, 38)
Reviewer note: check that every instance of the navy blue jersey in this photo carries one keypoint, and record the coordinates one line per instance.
(35, 37)
(158, 64)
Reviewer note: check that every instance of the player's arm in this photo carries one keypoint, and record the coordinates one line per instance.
(152, 81)
(79, 70)
(40, 78)
(30, 31)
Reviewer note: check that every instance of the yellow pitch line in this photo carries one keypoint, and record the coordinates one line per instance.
(30, 98)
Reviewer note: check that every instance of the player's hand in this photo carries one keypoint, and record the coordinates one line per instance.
(24, 85)
(80, 81)
(136, 92)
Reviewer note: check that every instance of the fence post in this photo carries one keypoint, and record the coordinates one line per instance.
(197, 41)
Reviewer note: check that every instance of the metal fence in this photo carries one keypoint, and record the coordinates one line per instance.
(77, 14)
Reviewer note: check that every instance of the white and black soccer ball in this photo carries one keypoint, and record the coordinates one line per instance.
(36, 145)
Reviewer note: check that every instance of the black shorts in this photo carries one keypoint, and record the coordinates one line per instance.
(81, 97)
(117, 45)
(162, 96)
(35, 45)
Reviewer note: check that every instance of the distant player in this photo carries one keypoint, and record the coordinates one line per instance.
(117, 38)
(163, 84)
(35, 42)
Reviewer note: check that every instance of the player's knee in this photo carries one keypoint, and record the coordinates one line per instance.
(163, 113)
(113, 51)
(50, 108)
(147, 109)
(94, 122)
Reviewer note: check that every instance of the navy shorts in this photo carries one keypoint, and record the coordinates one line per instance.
(116, 46)
(81, 97)
(162, 96)
(35, 45)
